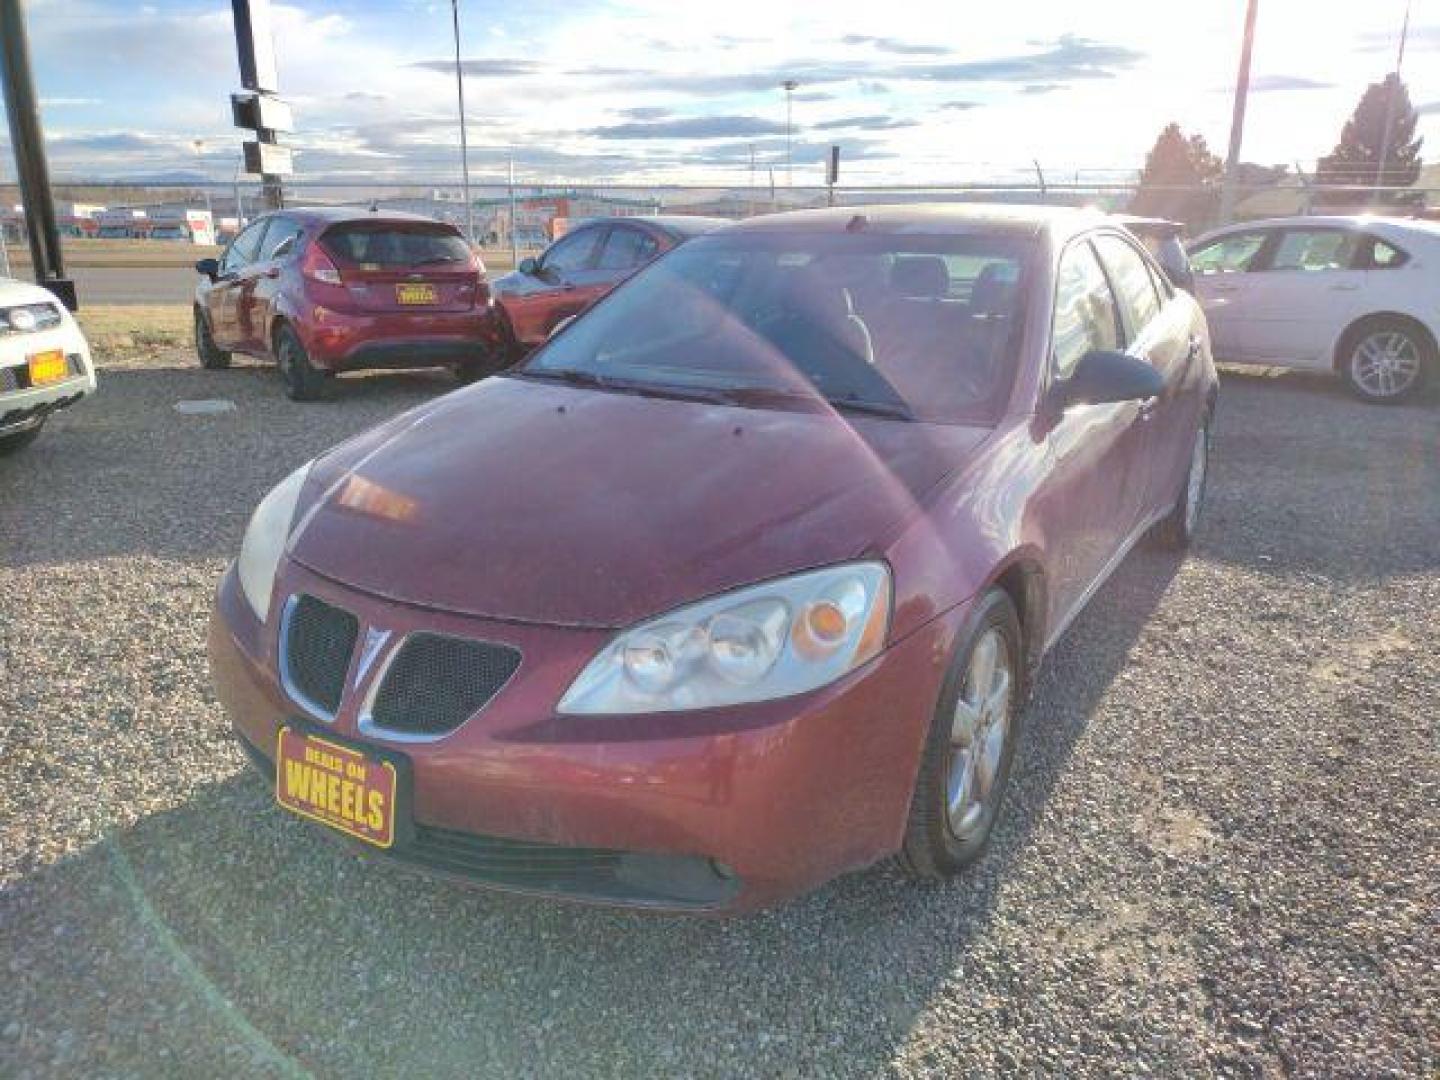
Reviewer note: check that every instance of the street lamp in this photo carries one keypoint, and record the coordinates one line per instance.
(789, 86)
(198, 145)
(464, 145)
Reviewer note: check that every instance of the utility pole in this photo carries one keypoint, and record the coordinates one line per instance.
(1237, 119)
(464, 145)
(789, 86)
(27, 139)
(1391, 101)
(514, 240)
(198, 145)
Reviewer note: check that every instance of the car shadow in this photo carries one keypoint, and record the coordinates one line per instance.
(223, 922)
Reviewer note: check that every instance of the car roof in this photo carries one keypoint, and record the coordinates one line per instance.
(958, 219)
(334, 215)
(1374, 222)
(682, 226)
(1162, 226)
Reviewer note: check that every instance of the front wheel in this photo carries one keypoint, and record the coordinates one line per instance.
(1387, 361)
(303, 380)
(966, 765)
(18, 440)
(210, 355)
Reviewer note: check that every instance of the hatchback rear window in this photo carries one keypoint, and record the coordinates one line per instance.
(390, 245)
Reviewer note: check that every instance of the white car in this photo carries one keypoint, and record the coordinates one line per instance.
(1359, 296)
(44, 362)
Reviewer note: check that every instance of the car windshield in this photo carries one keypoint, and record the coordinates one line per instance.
(383, 244)
(901, 325)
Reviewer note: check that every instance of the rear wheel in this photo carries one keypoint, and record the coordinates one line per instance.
(966, 765)
(210, 355)
(303, 380)
(1178, 527)
(18, 440)
(1387, 360)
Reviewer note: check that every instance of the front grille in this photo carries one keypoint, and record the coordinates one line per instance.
(435, 683)
(318, 641)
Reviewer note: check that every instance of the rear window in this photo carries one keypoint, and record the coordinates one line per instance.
(389, 245)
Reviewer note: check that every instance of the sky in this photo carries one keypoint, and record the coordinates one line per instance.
(647, 91)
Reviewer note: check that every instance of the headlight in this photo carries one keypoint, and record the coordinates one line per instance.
(754, 644)
(265, 538)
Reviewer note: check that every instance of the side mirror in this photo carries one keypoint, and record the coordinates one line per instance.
(1103, 376)
(529, 266)
(209, 267)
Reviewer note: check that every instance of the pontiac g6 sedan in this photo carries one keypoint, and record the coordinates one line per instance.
(736, 584)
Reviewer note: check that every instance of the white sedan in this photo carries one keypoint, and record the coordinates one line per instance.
(1359, 296)
(44, 362)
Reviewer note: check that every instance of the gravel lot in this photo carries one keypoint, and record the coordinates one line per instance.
(1221, 856)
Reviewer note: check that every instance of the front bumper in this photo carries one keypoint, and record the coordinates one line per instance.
(23, 406)
(720, 810)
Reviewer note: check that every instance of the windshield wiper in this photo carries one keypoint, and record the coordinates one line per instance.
(572, 376)
(893, 410)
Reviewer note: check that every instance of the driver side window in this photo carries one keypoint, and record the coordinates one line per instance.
(1086, 318)
(571, 253)
(243, 248)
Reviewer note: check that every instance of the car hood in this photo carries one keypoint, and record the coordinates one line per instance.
(545, 503)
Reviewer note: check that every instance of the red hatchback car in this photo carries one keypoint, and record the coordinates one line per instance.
(582, 266)
(740, 581)
(322, 291)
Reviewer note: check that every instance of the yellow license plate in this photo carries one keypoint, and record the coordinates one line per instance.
(336, 786)
(415, 294)
(48, 367)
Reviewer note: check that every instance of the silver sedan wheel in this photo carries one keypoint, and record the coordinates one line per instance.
(1195, 485)
(1385, 363)
(978, 733)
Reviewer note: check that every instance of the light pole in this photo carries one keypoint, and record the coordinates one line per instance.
(789, 86)
(1391, 100)
(1237, 119)
(464, 145)
(198, 145)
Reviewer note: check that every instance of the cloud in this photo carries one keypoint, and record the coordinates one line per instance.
(813, 95)
(489, 68)
(1069, 57)
(67, 102)
(960, 105)
(864, 123)
(893, 45)
(1040, 88)
(647, 112)
(1263, 84)
(1430, 108)
(366, 95)
(693, 127)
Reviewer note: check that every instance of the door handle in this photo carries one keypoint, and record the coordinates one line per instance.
(1219, 287)
(1344, 286)
(273, 272)
(1147, 407)
(1193, 353)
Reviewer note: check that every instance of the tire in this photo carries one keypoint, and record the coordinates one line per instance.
(1177, 529)
(303, 380)
(940, 842)
(210, 355)
(17, 441)
(1386, 361)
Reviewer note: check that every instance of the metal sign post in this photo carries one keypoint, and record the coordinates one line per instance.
(261, 111)
(47, 261)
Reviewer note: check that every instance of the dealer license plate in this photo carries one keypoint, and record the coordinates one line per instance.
(337, 786)
(415, 294)
(48, 367)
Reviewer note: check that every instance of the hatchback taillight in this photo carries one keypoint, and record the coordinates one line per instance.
(317, 266)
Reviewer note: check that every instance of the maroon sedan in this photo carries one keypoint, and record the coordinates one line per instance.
(330, 290)
(740, 581)
(582, 266)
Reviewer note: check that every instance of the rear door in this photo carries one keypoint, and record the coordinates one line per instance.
(260, 281)
(223, 300)
(1225, 285)
(1306, 288)
(560, 287)
(403, 267)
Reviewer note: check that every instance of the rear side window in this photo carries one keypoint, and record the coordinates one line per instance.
(1376, 254)
(1134, 286)
(1231, 254)
(386, 245)
(1086, 318)
(626, 248)
(1315, 249)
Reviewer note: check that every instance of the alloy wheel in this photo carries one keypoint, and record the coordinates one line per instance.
(1386, 363)
(979, 730)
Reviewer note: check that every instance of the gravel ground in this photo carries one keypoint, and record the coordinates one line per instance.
(1221, 854)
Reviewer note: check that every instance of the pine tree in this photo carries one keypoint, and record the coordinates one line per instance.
(1180, 179)
(1355, 161)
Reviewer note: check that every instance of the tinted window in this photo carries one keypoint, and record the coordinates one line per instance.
(280, 240)
(626, 248)
(1228, 255)
(1376, 254)
(871, 320)
(243, 248)
(386, 244)
(1315, 249)
(572, 252)
(1130, 276)
(1085, 314)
